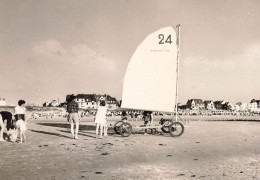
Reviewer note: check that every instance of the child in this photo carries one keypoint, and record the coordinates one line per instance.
(101, 120)
(20, 110)
(21, 128)
(20, 116)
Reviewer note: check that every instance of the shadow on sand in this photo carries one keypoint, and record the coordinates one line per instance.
(67, 126)
(82, 129)
(88, 134)
(50, 133)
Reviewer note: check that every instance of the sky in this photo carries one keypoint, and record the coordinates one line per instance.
(52, 48)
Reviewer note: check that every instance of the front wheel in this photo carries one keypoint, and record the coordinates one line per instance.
(166, 125)
(117, 127)
(176, 129)
(125, 129)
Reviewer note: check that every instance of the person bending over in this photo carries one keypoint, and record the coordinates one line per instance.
(8, 117)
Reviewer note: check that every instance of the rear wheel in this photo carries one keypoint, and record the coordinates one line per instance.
(125, 129)
(176, 129)
(117, 127)
(166, 125)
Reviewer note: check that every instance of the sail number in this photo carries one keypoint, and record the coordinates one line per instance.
(167, 40)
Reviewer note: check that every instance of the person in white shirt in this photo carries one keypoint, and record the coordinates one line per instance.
(20, 111)
(101, 120)
(20, 117)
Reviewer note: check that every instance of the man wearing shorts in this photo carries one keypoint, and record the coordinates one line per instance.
(73, 117)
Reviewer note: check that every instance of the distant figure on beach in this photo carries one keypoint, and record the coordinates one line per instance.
(8, 117)
(73, 116)
(148, 119)
(101, 120)
(136, 116)
(124, 116)
(20, 111)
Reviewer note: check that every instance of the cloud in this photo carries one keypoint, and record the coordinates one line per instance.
(233, 77)
(246, 60)
(82, 53)
(49, 49)
(79, 55)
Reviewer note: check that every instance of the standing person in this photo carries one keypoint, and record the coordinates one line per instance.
(148, 119)
(73, 116)
(21, 119)
(124, 116)
(100, 119)
(136, 116)
(20, 111)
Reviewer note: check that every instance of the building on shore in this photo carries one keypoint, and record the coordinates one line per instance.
(53, 103)
(46, 104)
(252, 106)
(256, 103)
(209, 105)
(195, 104)
(86, 101)
(2, 102)
(219, 104)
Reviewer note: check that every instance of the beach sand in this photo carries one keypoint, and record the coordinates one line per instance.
(206, 150)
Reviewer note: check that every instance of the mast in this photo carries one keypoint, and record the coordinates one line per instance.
(177, 69)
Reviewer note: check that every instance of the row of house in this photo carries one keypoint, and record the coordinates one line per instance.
(53, 103)
(86, 101)
(199, 104)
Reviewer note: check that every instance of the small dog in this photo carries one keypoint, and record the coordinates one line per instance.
(21, 128)
(11, 134)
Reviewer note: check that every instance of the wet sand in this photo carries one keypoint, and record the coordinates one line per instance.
(206, 150)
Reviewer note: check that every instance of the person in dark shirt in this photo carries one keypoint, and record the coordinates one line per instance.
(148, 119)
(73, 116)
(5, 116)
(124, 116)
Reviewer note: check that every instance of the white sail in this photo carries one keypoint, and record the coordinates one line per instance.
(150, 79)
